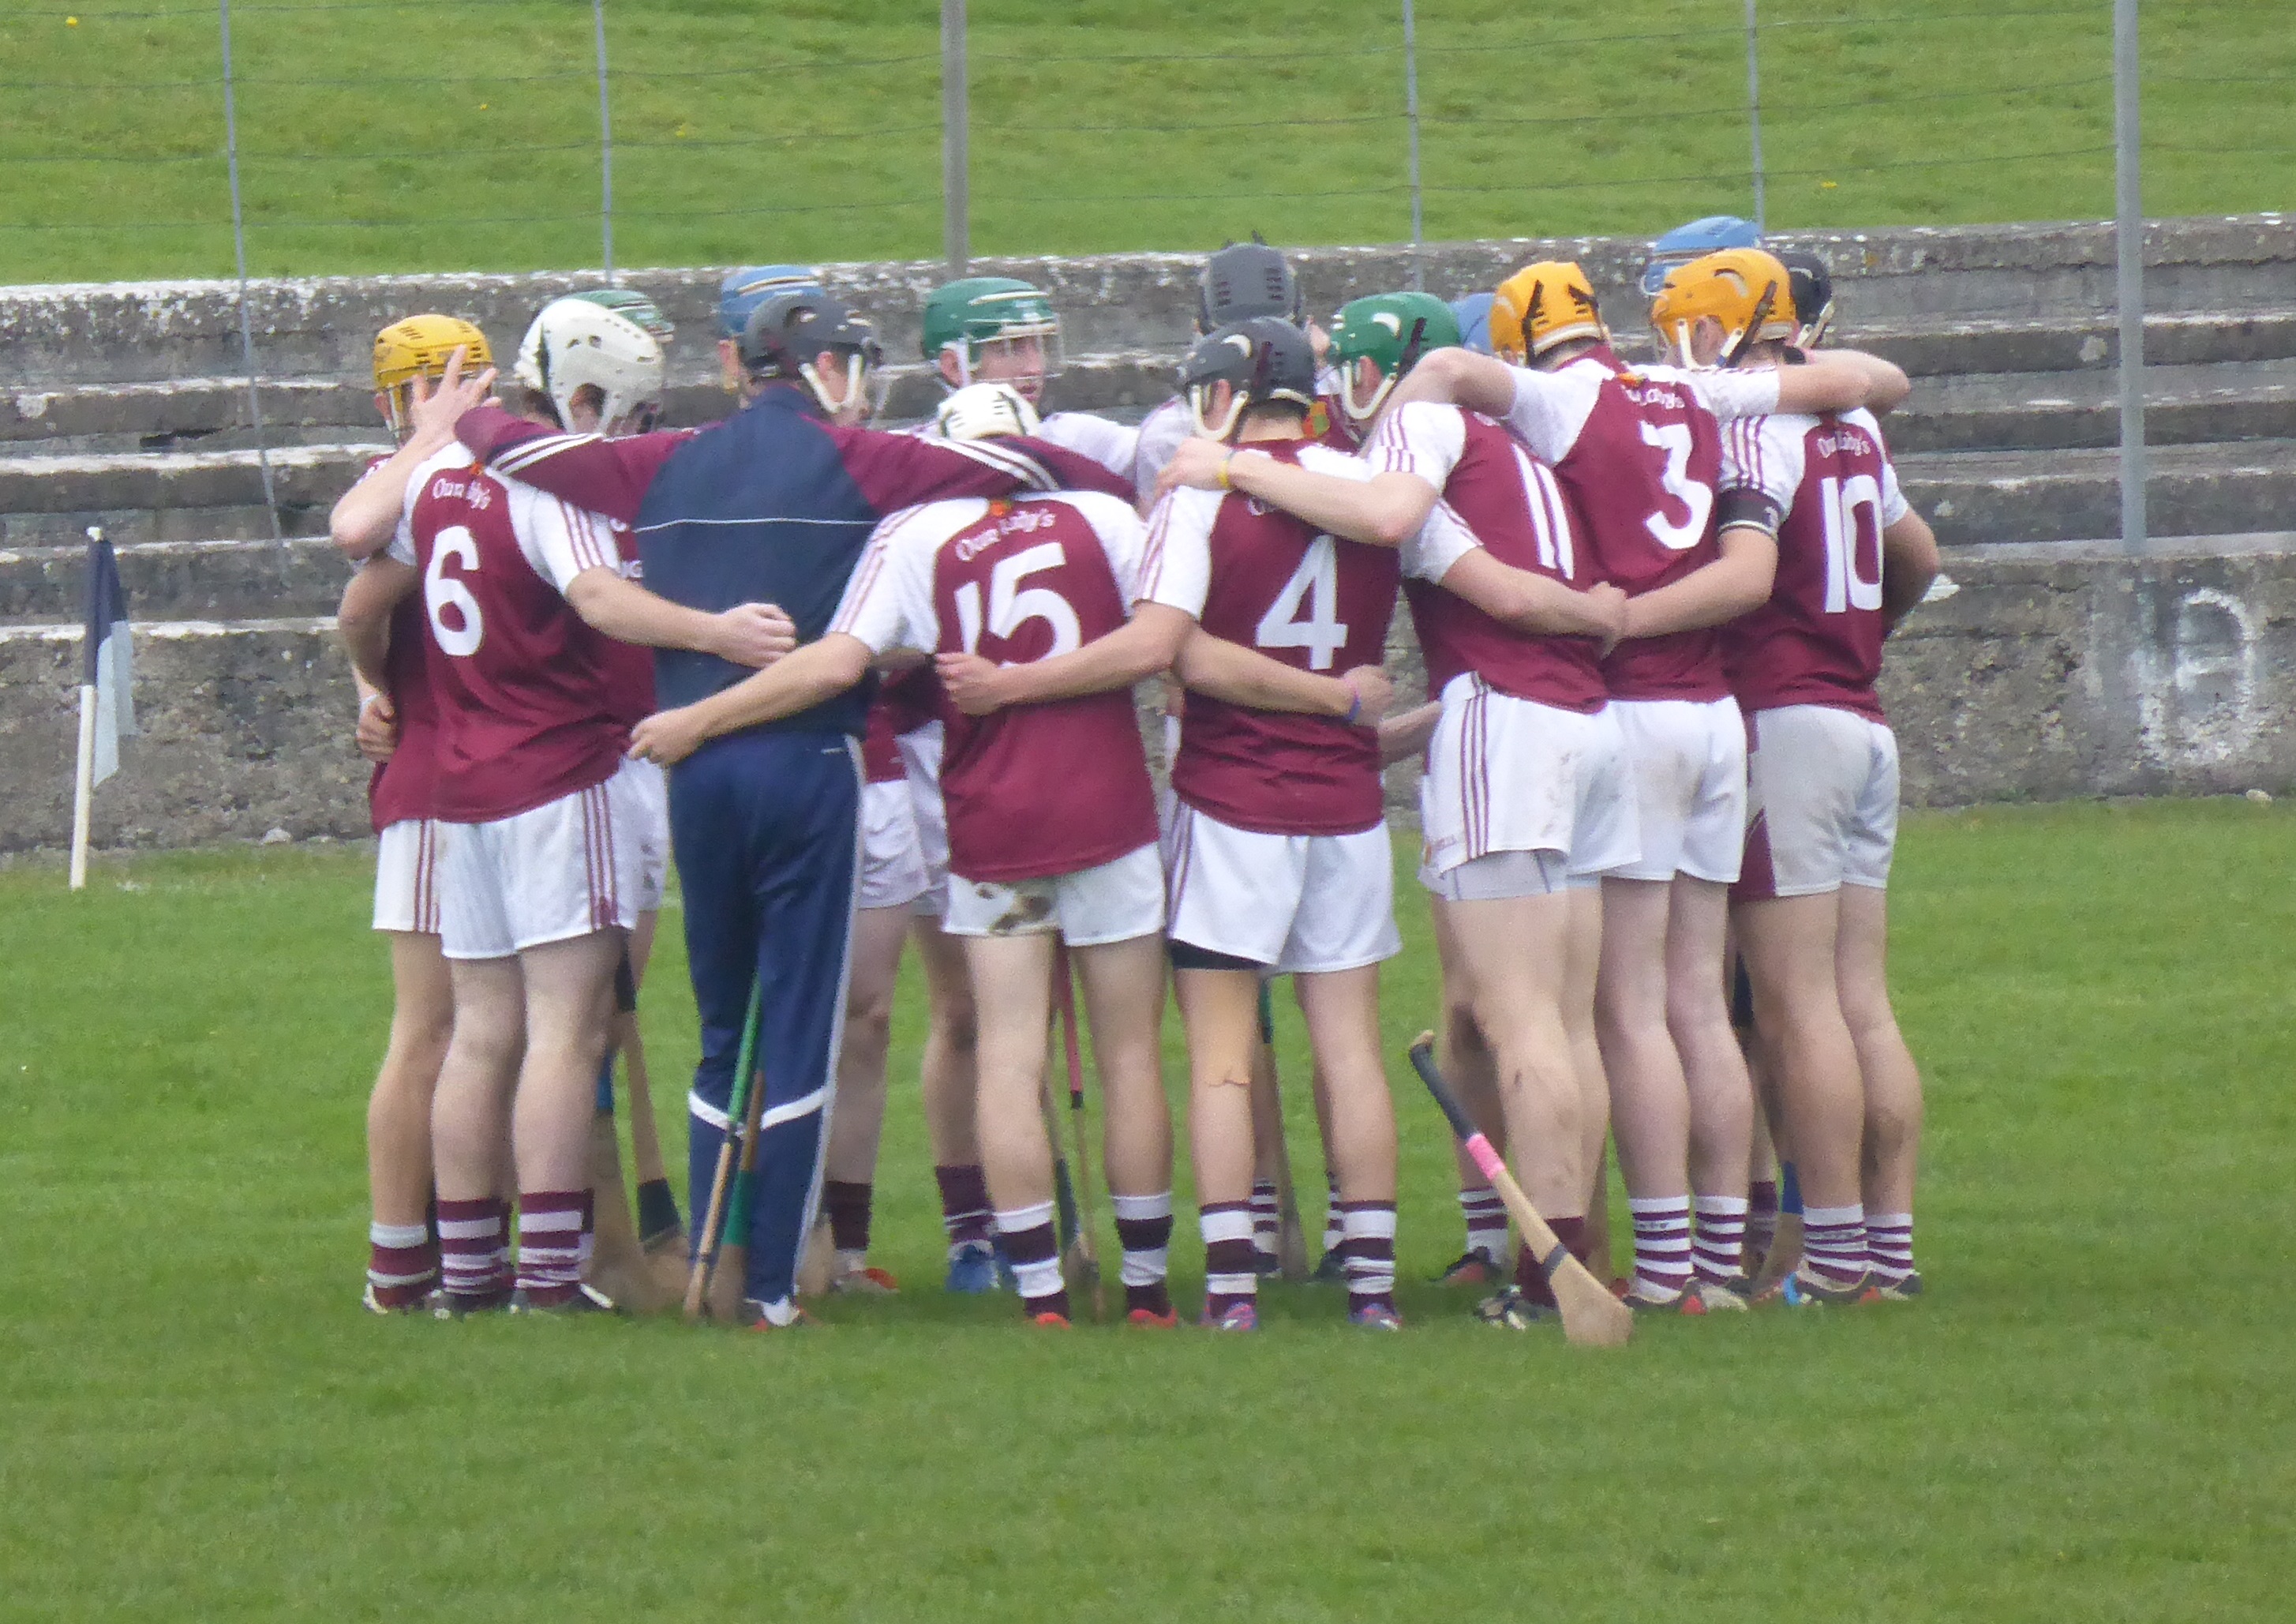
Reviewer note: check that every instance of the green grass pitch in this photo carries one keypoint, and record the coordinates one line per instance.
(453, 134)
(2089, 1418)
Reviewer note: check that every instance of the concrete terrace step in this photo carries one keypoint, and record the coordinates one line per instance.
(1979, 496)
(2090, 341)
(1907, 277)
(2237, 400)
(179, 580)
(179, 496)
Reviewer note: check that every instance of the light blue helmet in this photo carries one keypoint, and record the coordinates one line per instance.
(1694, 241)
(1474, 316)
(743, 290)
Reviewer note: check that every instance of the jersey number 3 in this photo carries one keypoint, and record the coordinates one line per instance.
(442, 592)
(1314, 585)
(1011, 606)
(1673, 439)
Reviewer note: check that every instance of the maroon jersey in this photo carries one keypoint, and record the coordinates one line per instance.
(524, 690)
(1258, 577)
(1639, 452)
(405, 784)
(1818, 640)
(1511, 505)
(881, 749)
(1033, 790)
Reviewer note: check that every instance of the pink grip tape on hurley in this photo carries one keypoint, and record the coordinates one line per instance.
(1479, 1149)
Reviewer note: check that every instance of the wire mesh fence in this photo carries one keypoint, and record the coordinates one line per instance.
(429, 135)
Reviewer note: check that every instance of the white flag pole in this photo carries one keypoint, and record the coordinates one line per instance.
(83, 786)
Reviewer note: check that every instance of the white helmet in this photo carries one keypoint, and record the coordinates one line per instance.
(574, 342)
(984, 411)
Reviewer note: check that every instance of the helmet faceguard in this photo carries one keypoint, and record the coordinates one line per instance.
(577, 343)
(997, 329)
(984, 411)
(1262, 361)
(1245, 280)
(1391, 331)
(1746, 292)
(789, 332)
(1812, 286)
(1542, 306)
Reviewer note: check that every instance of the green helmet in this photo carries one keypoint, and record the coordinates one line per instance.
(974, 311)
(1394, 330)
(636, 305)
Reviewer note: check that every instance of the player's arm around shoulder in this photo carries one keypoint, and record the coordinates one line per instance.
(603, 476)
(1224, 670)
(1336, 493)
(1839, 381)
(577, 553)
(1910, 561)
(1461, 378)
(368, 514)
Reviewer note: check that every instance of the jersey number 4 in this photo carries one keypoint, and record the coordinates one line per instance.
(1011, 606)
(1314, 586)
(442, 592)
(1851, 509)
(1673, 439)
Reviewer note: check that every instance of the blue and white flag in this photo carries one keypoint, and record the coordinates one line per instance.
(107, 667)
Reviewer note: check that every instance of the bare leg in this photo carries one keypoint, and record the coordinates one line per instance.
(477, 1077)
(1650, 1102)
(1012, 985)
(859, 1119)
(1582, 962)
(1511, 964)
(1343, 1012)
(1221, 1011)
(398, 1110)
(1721, 1094)
(947, 1074)
(1893, 1085)
(1789, 944)
(570, 989)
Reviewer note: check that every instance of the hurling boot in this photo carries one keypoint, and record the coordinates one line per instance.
(618, 1264)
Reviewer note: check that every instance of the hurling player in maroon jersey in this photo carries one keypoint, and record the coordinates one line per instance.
(545, 842)
(419, 391)
(1810, 904)
(1525, 778)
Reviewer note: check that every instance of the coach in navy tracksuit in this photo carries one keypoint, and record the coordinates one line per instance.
(772, 506)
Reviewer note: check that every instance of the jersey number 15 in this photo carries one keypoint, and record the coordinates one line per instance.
(1011, 606)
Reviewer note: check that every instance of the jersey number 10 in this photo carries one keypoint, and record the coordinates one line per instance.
(1851, 509)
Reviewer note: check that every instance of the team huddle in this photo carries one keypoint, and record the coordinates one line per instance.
(872, 688)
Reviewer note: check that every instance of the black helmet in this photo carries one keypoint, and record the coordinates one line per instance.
(1263, 359)
(1244, 280)
(785, 333)
(1813, 294)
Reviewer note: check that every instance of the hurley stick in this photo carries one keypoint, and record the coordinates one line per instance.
(1290, 1235)
(1591, 1316)
(658, 1223)
(738, 1104)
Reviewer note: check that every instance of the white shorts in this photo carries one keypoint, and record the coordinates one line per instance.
(1507, 775)
(1298, 904)
(892, 865)
(921, 748)
(563, 869)
(1823, 786)
(1687, 760)
(652, 785)
(406, 876)
(1502, 875)
(1114, 902)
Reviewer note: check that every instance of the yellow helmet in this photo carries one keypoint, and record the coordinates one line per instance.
(1744, 289)
(1541, 306)
(419, 347)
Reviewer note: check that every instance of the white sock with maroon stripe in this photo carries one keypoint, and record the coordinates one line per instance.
(1662, 1242)
(1265, 1225)
(1718, 1242)
(473, 1250)
(1834, 1243)
(1890, 1244)
(1229, 1277)
(549, 1245)
(402, 1263)
(1486, 1221)
(1033, 1248)
(1370, 1252)
(1333, 1233)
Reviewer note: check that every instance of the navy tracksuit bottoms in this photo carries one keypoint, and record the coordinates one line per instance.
(766, 826)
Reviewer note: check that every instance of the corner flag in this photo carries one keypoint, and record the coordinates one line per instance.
(107, 702)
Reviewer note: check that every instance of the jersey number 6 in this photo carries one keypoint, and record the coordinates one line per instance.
(1011, 606)
(442, 591)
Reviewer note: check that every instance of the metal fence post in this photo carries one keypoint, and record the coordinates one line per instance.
(239, 248)
(1754, 109)
(606, 142)
(2129, 221)
(1411, 113)
(955, 231)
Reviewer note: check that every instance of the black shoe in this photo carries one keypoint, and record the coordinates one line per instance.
(462, 1305)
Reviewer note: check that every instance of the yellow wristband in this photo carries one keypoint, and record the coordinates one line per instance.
(1225, 461)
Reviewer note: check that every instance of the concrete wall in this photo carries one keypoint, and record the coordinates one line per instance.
(2052, 672)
